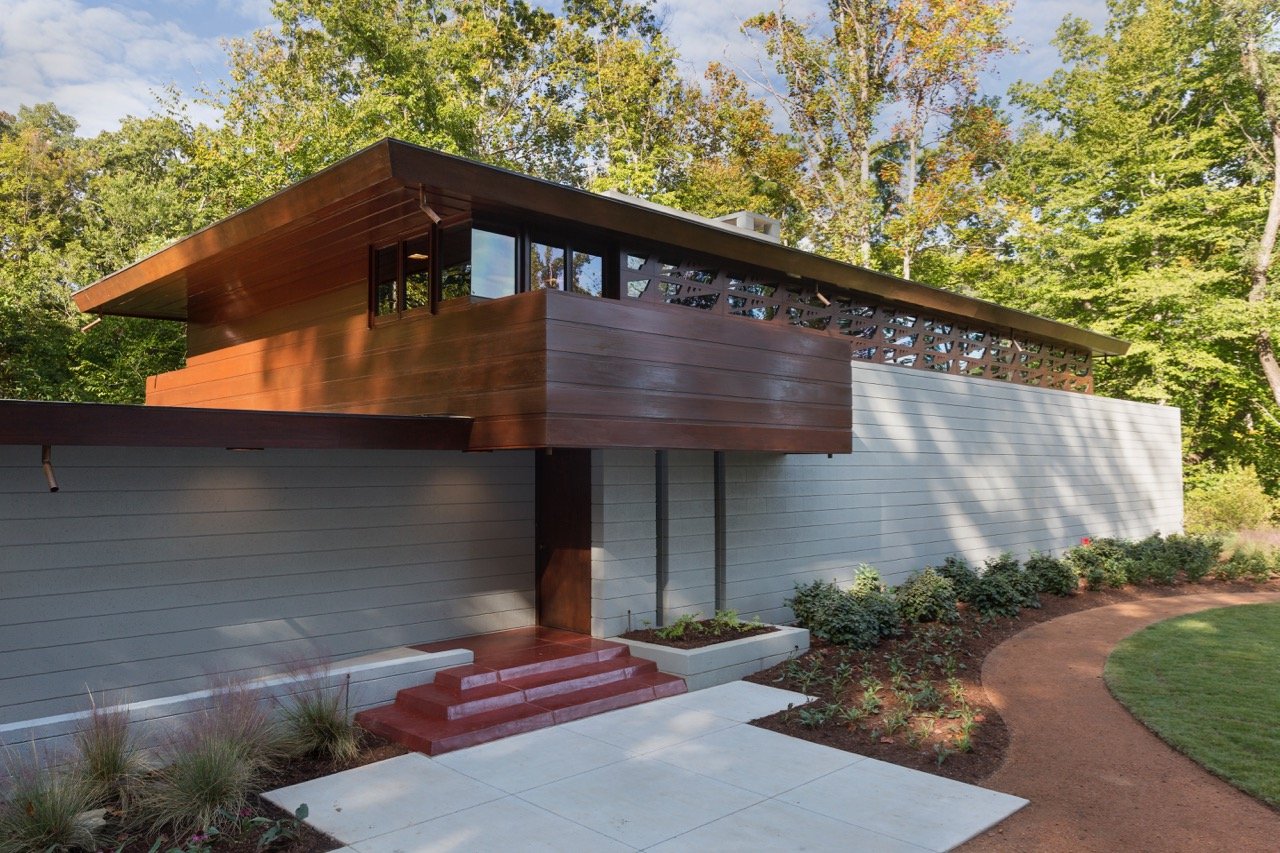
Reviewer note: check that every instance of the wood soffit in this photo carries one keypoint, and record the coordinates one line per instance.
(362, 196)
(110, 425)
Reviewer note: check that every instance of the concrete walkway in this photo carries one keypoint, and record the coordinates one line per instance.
(684, 773)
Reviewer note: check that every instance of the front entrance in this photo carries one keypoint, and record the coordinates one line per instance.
(563, 519)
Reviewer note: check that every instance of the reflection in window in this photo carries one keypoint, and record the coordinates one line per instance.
(493, 264)
(455, 263)
(417, 273)
(546, 267)
(386, 296)
(588, 274)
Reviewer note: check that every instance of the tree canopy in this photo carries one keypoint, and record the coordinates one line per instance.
(1135, 191)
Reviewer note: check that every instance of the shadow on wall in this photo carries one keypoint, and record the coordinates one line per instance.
(947, 465)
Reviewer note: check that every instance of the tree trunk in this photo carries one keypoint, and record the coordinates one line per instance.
(908, 198)
(1259, 269)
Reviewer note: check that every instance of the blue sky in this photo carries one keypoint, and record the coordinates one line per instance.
(101, 61)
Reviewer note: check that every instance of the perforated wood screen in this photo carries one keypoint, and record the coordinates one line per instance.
(884, 334)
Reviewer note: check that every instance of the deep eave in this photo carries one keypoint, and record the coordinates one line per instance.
(391, 174)
(111, 425)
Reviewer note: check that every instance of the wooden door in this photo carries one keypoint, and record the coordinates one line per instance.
(563, 518)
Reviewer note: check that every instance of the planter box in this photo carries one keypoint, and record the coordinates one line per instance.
(724, 662)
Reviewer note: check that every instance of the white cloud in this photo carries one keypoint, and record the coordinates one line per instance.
(97, 63)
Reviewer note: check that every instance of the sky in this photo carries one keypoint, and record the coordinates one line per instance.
(101, 61)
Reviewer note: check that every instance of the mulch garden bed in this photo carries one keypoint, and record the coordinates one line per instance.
(703, 635)
(927, 686)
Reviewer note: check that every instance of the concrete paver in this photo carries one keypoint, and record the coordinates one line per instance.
(684, 773)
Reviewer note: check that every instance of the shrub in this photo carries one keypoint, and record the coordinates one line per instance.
(1228, 500)
(205, 784)
(46, 811)
(1099, 563)
(995, 594)
(1050, 575)
(109, 756)
(1244, 562)
(926, 597)
(963, 579)
(1195, 555)
(238, 717)
(812, 602)
(874, 597)
(316, 722)
(1007, 566)
(850, 623)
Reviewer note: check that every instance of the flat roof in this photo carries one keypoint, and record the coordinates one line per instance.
(114, 425)
(385, 183)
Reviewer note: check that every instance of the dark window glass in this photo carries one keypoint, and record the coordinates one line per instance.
(588, 274)
(546, 267)
(455, 263)
(417, 273)
(386, 298)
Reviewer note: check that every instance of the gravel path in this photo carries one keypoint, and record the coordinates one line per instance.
(1096, 778)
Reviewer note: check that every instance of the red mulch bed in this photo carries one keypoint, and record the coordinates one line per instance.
(928, 741)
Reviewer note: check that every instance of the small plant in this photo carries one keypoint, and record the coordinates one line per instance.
(109, 759)
(1007, 566)
(1050, 575)
(1100, 563)
(47, 810)
(1252, 563)
(812, 603)
(815, 715)
(316, 722)
(963, 578)
(926, 697)
(1195, 555)
(926, 597)
(686, 624)
(941, 752)
(866, 580)
(280, 829)
(894, 721)
(995, 595)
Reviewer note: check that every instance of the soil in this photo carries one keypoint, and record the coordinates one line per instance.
(932, 740)
(1097, 779)
(372, 748)
(700, 635)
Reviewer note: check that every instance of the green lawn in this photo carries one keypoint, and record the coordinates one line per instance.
(1209, 684)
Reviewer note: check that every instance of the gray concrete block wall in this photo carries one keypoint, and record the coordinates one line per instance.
(153, 568)
(944, 465)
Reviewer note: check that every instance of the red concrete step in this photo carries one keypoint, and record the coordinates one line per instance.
(433, 700)
(543, 685)
(519, 681)
(609, 697)
(436, 737)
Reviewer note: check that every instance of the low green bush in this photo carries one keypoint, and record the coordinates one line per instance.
(1100, 563)
(204, 784)
(873, 596)
(926, 597)
(1196, 555)
(109, 758)
(1050, 575)
(850, 623)
(857, 617)
(1228, 500)
(1246, 562)
(812, 602)
(316, 723)
(963, 578)
(866, 580)
(1007, 566)
(995, 594)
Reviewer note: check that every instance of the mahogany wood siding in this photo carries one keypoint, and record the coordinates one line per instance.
(155, 567)
(941, 465)
(543, 369)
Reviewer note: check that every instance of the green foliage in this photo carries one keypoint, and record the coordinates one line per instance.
(845, 617)
(963, 578)
(1100, 563)
(1195, 555)
(812, 601)
(1256, 564)
(866, 581)
(926, 597)
(1047, 574)
(315, 722)
(1007, 567)
(682, 625)
(204, 784)
(997, 594)
(1229, 500)
(46, 810)
(109, 758)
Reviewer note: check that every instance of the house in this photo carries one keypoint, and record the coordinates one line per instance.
(426, 397)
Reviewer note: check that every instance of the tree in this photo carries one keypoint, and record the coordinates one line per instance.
(840, 79)
(1143, 197)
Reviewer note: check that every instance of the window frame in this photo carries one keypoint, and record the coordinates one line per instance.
(401, 295)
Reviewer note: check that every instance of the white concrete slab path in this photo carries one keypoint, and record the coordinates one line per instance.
(680, 774)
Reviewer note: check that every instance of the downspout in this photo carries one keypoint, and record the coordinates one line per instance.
(46, 462)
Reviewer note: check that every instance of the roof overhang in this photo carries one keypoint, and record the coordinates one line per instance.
(110, 425)
(383, 187)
